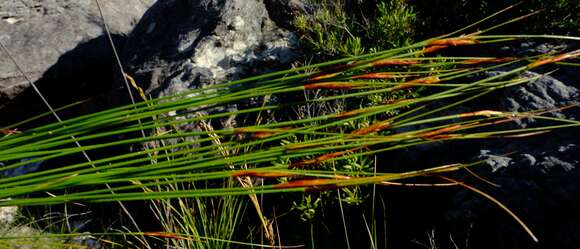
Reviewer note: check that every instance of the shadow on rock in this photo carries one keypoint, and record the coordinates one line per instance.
(85, 72)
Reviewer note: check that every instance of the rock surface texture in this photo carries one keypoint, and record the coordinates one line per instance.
(59, 43)
(207, 42)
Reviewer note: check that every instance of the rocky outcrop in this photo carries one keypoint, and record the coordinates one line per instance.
(60, 45)
(206, 42)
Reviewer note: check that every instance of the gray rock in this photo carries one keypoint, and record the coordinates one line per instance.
(543, 93)
(39, 32)
(27, 168)
(539, 181)
(206, 42)
(495, 162)
(7, 216)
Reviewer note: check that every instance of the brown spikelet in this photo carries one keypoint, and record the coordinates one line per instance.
(323, 157)
(425, 80)
(331, 155)
(9, 131)
(487, 60)
(431, 49)
(242, 130)
(376, 127)
(331, 85)
(324, 76)
(486, 113)
(318, 159)
(380, 75)
(554, 59)
(259, 134)
(453, 42)
(431, 134)
(394, 62)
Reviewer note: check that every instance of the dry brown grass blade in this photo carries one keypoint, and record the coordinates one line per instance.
(481, 178)
(498, 203)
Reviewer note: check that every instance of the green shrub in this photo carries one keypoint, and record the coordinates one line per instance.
(442, 16)
(393, 25)
(334, 29)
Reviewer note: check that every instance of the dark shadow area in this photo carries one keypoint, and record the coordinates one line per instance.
(85, 72)
(439, 17)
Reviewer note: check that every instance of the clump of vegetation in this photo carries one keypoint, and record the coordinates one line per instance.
(350, 28)
(441, 16)
(393, 25)
(333, 31)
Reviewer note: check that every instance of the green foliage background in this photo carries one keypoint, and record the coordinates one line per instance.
(351, 27)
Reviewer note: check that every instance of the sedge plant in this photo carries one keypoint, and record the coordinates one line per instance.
(177, 169)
